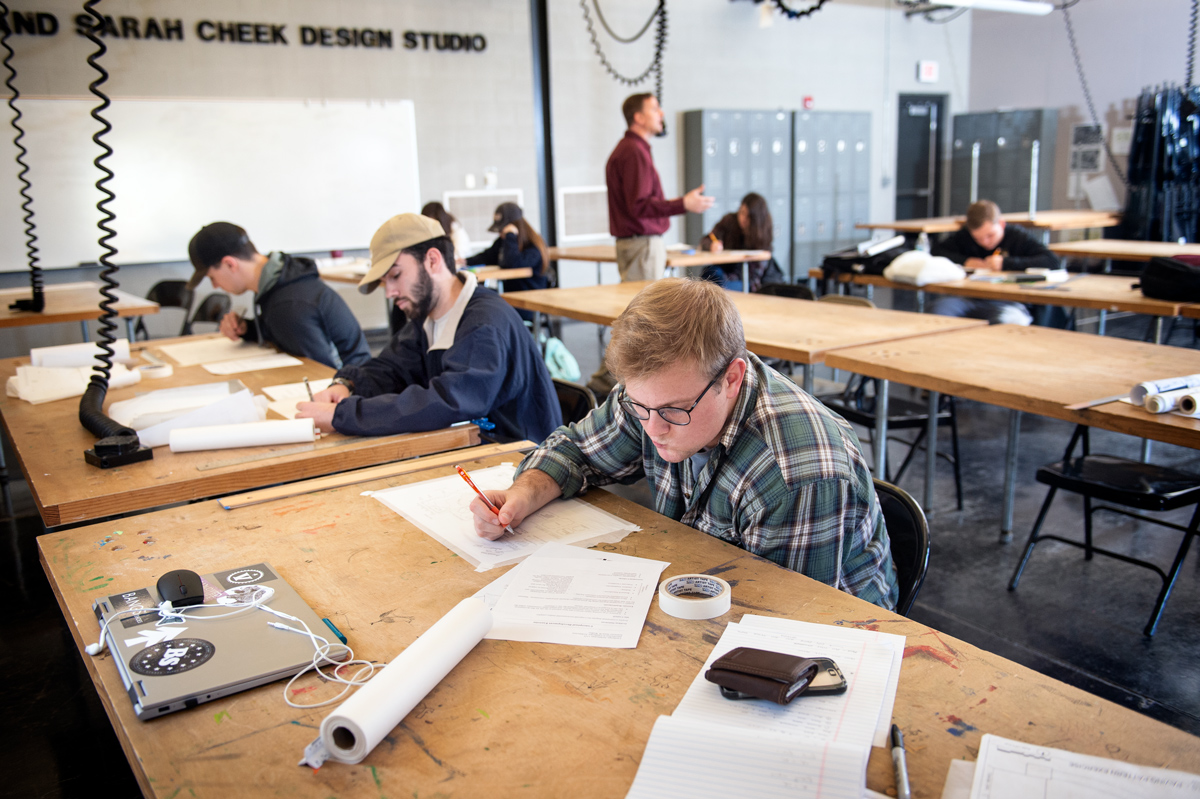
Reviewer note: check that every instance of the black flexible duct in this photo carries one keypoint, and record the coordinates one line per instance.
(660, 44)
(37, 303)
(118, 444)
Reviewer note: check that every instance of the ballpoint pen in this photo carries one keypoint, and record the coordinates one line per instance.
(486, 501)
(903, 790)
(308, 388)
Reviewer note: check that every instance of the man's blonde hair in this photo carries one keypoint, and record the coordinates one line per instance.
(672, 321)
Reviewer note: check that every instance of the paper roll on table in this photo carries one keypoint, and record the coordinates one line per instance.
(1188, 403)
(76, 354)
(254, 434)
(354, 729)
(1141, 391)
(1166, 401)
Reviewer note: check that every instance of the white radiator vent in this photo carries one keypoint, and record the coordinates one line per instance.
(477, 209)
(582, 214)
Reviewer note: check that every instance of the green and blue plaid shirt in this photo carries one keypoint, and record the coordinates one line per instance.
(791, 484)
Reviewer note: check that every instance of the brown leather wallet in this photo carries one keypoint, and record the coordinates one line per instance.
(773, 676)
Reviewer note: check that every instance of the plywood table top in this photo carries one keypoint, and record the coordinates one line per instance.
(49, 442)
(1037, 370)
(607, 253)
(779, 327)
(1042, 220)
(69, 302)
(1124, 250)
(482, 273)
(538, 720)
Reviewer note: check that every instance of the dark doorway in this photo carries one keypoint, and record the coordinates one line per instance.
(919, 155)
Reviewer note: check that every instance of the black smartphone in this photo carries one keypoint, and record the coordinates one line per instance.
(829, 680)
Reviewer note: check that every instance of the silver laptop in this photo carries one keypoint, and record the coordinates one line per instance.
(172, 666)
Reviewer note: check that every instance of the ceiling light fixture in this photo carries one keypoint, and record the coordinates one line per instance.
(1033, 7)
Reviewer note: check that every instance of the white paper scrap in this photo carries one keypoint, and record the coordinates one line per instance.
(258, 364)
(439, 508)
(238, 408)
(958, 780)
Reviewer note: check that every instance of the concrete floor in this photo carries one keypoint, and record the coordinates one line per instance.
(1078, 621)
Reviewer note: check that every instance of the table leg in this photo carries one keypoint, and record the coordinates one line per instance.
(83, 325)
(1010, 475)
(931, 430)
(806, 369)
(881, 423)
(129, 328)
(745, 277)
(1100, 322)
(870, 292)
(920, 302)
(812, 285)
(1145, 450)
(1158, 329)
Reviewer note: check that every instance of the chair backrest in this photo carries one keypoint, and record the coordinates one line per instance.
(211, 309)
(846, 299)
(790, 290)
(908, 532)
(575, 400)
(168, 294)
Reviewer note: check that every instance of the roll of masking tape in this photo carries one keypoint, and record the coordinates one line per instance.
(153, 371)
(694, 596)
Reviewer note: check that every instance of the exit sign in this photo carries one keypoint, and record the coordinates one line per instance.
(927, 72)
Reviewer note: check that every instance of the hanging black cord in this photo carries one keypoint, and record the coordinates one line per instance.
(1087, 94)
(792, 14)
(1191, 55)
(38, 302)
(118, 444)
(660, 44)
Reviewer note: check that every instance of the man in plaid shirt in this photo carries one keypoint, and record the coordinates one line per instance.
(728, 445)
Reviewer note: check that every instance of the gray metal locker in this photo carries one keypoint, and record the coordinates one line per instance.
(993, 153)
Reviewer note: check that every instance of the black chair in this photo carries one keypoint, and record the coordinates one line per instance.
(575, 400)
(857, 407)
(210, 310)
(908, 532)
(168, 294)
(1124, 482)
(790, 290)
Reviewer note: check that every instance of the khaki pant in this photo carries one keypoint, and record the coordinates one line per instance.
(641, 258)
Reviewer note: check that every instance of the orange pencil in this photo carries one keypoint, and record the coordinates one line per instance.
(486, 501)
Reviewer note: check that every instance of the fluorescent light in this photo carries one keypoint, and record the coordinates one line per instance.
(1012, 6)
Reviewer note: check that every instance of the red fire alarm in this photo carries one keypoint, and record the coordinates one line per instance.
(807, 103)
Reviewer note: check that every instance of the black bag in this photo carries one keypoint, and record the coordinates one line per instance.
(1171, 279)
(846, 260)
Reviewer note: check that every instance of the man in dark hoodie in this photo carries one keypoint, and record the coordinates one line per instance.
(463, 354)
(294, 309)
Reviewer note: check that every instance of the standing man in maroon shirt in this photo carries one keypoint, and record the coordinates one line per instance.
(638, 213)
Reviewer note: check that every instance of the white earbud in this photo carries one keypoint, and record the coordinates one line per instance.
(94, 649)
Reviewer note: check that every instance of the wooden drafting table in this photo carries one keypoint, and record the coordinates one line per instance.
(49, 442)
(607, 253)
(538, 720)
(1119, 250)
(483, 273)
(1044, 221)
(72, 302)
(1028, 370)
(777, 327)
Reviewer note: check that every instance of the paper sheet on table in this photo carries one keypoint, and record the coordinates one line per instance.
(233, 409)
(566, 595)
(38, 384)
(958, 780)
(687, 759)
(212, 350)
(850, 718)
(154, 407)
(893, 642)
(297, 391)
(76, 354)
(439, 508)
(1007, 769)
(256, 364)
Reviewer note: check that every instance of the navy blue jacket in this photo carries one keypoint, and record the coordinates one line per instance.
(504, 253)
(303, 316)
(493, 369)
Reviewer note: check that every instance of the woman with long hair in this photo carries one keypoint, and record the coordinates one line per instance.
(749, 229)
(518, 247)
(454, 229)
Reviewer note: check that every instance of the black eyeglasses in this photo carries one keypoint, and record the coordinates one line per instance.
(670, 415)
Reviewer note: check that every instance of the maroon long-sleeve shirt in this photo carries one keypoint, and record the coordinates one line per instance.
(636, 205)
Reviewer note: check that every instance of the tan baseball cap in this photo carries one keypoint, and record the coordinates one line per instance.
(395, 235)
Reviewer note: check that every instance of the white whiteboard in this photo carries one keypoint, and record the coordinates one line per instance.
(298, 175)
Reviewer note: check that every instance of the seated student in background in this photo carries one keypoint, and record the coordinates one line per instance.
(452, 227)
(749, 229)
(985, 242)
(463, 354)
(729, 446)
(518, 247)
(294, 309)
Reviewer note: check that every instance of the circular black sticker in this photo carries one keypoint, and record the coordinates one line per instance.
(172, 657)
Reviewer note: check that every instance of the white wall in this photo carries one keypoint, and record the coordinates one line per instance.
(1025, 62)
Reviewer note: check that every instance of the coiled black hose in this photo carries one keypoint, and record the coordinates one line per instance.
(38, 302)
(660, 44)
(91, 405)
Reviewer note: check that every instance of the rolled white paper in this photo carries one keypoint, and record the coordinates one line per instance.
(254, 434)
(76, 354)
(361, 722)
(1161, 403)
(1142, 390)
(1189, 403)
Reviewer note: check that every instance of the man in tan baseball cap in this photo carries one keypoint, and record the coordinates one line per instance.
(464, 353)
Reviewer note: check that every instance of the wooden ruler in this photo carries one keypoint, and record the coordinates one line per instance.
(372, 473)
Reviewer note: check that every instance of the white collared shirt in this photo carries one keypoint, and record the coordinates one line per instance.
(440, 332)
